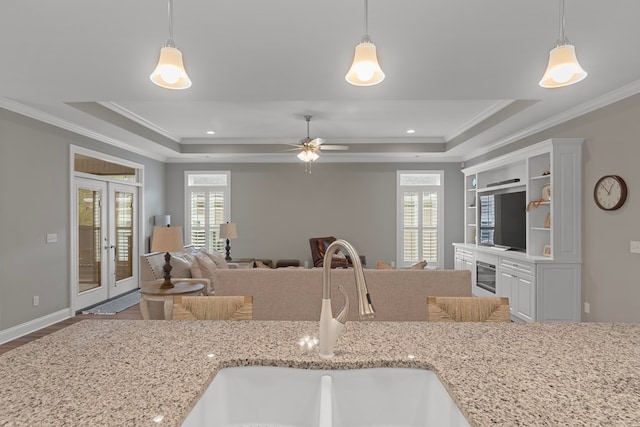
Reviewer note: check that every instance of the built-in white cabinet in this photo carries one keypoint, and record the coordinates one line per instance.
(543, 283)
(516, 280)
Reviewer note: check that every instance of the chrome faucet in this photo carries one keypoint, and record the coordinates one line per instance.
(331, 327)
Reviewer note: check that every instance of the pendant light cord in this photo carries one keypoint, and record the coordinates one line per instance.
(563, 40)
(366, 38)
(170, 42)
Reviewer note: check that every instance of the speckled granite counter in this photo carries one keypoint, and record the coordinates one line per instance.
(126, 372)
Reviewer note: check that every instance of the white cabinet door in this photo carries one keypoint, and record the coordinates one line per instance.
(507, 288)
(525, 297)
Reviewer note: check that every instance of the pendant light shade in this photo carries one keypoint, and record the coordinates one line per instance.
(563, 68)
(170, 72)
(365, 69)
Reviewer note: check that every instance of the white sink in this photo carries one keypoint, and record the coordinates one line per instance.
(267, 396)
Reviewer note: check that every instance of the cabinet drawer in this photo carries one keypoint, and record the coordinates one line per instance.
(518, 266)
(467, 252)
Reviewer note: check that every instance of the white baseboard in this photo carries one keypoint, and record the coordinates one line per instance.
(33, 325)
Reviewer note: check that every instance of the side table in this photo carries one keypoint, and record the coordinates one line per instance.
(154, 293)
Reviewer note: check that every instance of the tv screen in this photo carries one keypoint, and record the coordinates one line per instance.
(503, 220)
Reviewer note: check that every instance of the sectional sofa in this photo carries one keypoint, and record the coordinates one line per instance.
(296, 293)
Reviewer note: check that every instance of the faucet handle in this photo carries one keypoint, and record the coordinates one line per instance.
(344, 311)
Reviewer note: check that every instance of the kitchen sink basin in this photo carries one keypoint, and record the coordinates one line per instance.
(268, 396)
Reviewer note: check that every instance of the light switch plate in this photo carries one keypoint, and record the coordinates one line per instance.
(52, 238)
(635, 247)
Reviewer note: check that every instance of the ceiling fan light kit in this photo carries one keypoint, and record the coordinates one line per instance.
(365, 69)
(170, 72)
(563, 68)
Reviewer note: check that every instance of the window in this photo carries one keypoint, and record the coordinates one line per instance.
(208, 202)
(420, 222)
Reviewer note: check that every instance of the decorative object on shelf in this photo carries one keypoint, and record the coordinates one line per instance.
(547, 221)
(474, 182)
(473, 236)
(534, 204)
(547, 172)
(563, 68)
(610, 192)
(546, 193)
(167, 239)
(228, 231)
(546, 251)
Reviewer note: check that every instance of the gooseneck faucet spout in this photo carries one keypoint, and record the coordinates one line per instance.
(331, 327)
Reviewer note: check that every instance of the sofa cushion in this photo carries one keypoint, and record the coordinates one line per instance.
(155, 262)
(203, 266)
(418, 265)
(181, 266)
(218, 259)
(383, 266)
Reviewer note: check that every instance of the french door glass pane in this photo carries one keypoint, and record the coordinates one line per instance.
(410, 250)
(124, 234)
(89, 239)
(430, 245)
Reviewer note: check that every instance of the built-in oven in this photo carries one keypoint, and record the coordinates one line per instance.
(486, 276)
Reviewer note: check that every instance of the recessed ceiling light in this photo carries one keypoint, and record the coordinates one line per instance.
(210, 132)
(411, 131)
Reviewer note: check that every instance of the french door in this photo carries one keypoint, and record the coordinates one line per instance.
(106, 244)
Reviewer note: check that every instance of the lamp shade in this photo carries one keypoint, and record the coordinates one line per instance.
(365, 70)
(162, 220)
(228, 231)
(170, 72)
(167, 239)
(563, 68)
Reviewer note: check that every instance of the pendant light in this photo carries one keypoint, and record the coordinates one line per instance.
(563, 68)
(365, 70)
(170, 72)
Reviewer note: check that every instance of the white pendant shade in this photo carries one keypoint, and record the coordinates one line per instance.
(170, 72)
(365, 70)
(563, 68)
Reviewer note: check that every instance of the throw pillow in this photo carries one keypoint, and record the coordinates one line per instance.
(419, 265)
(384, 266)
(260, 264)
(181, 267)
(218, 259)
(206, 266)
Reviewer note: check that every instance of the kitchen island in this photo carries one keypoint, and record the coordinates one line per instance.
(151, 373)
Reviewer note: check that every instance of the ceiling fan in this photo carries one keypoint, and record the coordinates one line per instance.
(310, 148)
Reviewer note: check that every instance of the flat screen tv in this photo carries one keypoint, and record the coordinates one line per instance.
(503, 220)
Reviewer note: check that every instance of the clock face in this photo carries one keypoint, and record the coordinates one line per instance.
(610, 192)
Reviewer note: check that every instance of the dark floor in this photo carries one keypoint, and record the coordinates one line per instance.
(132, 313)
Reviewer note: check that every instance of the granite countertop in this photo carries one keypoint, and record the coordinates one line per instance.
(127, 372)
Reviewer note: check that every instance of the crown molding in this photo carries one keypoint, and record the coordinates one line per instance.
(580, 110)
(117, 108)
(41, 116)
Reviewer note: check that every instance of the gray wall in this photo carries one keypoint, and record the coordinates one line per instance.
(34, 201)
(610, 273)
(278, 207)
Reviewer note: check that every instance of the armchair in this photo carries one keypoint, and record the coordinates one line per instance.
(319, 246)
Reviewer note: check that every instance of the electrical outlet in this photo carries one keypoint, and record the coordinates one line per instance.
(36, 301)
(634, 247)
(52, 238)
(587, 308)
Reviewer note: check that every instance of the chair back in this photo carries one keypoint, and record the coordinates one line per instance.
(213, 308)
(468, 309)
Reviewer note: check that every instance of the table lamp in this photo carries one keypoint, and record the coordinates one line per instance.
(228, 231)
(167, 239)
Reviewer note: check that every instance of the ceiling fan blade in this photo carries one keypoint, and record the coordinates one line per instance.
(333, 147)
(316, 141)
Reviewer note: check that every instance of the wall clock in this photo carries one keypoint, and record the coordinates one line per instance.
(610, 192)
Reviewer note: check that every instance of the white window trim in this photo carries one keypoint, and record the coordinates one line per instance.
(187, 199)
(399, 201)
